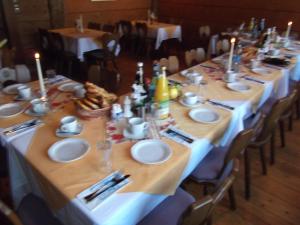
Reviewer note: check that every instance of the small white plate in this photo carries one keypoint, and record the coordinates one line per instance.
(68, 87)
(129, 135)
(197, 104)
(10, 110)
(262, 71)
(239, 87)
(30, 112)
(68, 150)
(63, 134)
(12, 89)
(204, 115)
(151, 151)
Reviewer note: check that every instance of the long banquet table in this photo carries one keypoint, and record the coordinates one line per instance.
(31, 170)
(78, 43)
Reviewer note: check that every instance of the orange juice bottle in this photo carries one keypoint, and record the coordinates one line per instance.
(161, 96)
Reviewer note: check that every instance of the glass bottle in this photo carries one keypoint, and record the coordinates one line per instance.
(161, 96)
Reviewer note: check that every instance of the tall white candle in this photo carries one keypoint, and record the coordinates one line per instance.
(232, 41)
(40, 75)
(288, 30)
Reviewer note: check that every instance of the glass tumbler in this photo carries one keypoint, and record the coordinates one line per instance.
(104, 149)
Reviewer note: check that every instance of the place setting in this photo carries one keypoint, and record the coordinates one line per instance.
(69, 126)
(25, 93)
(191, 100)
(38, 107)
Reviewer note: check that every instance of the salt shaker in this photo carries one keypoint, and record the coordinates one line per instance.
(127, 107)
(116, 112)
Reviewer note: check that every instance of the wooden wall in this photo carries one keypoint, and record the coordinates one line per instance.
(220, 14)
(105, 12)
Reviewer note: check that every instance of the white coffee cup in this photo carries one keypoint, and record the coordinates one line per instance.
(137, 125)
(79, 91)
(39, 106)
(274, 52)
(68, 124)
(190, 98)
(230, 76)
(24, 92)
(254, 63)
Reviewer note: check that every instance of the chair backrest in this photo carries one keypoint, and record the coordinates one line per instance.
(200, 211)
(10, 214)
(164, 62)
(212, 46)
(110, 42)
(207, 31)
(238, 145)
(201, 31)
(141, 30)
(126, 27)
(200, 55)
(225, 45)
(45, 42)
(57, 42)
(94, 26)
(173, 64)
(94, 75)
(279, 107)
(108, 28)
(219, 46)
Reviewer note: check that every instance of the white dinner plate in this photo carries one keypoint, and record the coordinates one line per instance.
(68, 150)
(239, 86)
(262, 71)
(204, 115)
(151, 151)
(10, 110)
(68, 87)
(12, 89)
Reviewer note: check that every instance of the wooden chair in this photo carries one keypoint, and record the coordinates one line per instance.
(46, 48)
(65, 60)
(225, 45)
(144, 45)
(31, 211)
(108, 28)
(183, 209)
(107, 54)
(127, 39)
(200, 55)
(173, 64)
(219, 164)
(264, 132)
(94, 26)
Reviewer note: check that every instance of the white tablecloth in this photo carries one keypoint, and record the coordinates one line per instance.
(121, 208)
(78, 43)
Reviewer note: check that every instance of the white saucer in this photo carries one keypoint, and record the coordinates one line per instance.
(239, 87)
(10, 110)
(151, 151)
(204, 115)
(30, 112)
(198, 103)
(129, 135)
(63, 134)
(68, 150)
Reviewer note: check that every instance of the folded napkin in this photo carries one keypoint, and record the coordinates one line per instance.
(107, 187)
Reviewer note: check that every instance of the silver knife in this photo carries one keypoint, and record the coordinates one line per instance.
(22, 127)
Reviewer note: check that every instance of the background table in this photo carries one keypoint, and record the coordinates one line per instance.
(78, 42)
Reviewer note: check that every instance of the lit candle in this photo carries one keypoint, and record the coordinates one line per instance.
(40, 75)
(289, 27)
(232, 41)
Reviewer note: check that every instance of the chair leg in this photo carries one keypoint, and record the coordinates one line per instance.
(291, 122)
(247, 174)
(272, 149)
(232, 198)
(282, 134)
(263, 159)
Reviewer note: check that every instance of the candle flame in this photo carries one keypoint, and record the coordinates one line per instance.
(290, 23)
(232, 40)
(37, 55)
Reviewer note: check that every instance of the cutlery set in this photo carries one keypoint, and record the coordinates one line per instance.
(220, 104)
(22, 127)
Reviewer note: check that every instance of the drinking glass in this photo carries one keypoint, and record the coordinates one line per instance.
(104, 149)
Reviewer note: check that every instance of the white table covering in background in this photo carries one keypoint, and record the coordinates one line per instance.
(78, 43)
(121, 208)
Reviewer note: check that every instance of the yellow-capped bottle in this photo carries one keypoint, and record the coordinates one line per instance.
(161, 96)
